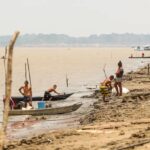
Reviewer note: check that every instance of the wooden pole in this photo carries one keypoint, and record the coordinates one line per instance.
(5, 57)
(25, 71)
(105, 71)
(148, 69)
(29, 74)
(67, 81)
(8, 88)
(4, 62)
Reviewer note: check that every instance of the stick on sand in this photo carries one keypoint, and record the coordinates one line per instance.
(104, 71)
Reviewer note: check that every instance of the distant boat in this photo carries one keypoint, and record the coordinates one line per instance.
(138, 48)
(139, 57)
(147, 48)
(142, 48)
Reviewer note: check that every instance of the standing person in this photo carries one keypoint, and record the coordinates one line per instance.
(118, 80)
(47, 94)
(26, 91)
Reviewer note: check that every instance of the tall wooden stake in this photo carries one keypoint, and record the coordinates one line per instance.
(25, 71)
(8, 89)
(148, 69)
(5, 57)
(105, 71)
(67, 81)
(29, 74)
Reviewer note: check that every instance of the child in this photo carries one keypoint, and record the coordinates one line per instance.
(106, 87)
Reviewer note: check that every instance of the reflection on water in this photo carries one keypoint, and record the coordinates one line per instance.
(83, 66)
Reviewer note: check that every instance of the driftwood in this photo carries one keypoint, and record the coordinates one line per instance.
(8, 88)
(145, 81)
(147, 77)
(135, 144)
(142, 121)
(138, 94)
(117, 125)
(107, 126)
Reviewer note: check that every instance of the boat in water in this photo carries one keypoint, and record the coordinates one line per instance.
(138, 57)
(17, 99)
(138, 48)
(147, 48)
(142, 48)
(46, 111)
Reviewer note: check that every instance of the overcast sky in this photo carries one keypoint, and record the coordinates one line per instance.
(74, 17)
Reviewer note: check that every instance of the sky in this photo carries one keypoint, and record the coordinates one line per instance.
(74, 17)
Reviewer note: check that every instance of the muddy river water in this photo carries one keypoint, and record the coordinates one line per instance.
(84, 68)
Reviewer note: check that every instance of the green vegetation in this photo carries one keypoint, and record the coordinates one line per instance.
(92, 40)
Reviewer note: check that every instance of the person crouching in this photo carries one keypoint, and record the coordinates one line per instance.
(106, 87)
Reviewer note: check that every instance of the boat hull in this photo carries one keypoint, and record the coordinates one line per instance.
(139, 57)
(46, 111)
(17, 99)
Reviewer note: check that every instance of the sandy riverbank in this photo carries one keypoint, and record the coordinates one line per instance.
(121, 124)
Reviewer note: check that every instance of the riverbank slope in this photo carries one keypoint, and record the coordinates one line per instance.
(120, 124)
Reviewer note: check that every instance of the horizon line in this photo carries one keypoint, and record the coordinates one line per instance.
(130, 33)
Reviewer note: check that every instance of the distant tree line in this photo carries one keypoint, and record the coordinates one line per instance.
(113, 39)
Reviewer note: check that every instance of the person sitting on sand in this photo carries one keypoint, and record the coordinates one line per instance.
(106, 86)
(118, 79)
(47, 94)
(26, 91)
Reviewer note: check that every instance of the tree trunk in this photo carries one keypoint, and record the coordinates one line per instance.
(8, 89)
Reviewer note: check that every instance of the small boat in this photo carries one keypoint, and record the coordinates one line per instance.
(17, 99)
(147, 48)
(139, 57)
(46, 111)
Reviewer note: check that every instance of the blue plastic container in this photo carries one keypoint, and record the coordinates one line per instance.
(41, 105)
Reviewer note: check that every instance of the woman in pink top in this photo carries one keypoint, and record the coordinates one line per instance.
(118, 79)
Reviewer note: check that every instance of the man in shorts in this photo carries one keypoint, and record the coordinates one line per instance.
(26, 91)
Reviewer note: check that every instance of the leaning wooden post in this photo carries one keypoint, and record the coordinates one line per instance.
(67, 81)
(8, 88)
(5, 57)
(29, 74)
(148, 69)
(25, 71)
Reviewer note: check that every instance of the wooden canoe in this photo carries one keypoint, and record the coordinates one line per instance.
(46, 111)
(17, 99)
(139, 57)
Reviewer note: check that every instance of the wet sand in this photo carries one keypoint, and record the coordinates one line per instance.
(121, 124)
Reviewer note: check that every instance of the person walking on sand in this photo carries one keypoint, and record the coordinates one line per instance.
(47, 94)
(106, 87)
(118, 79)
(26, 91)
